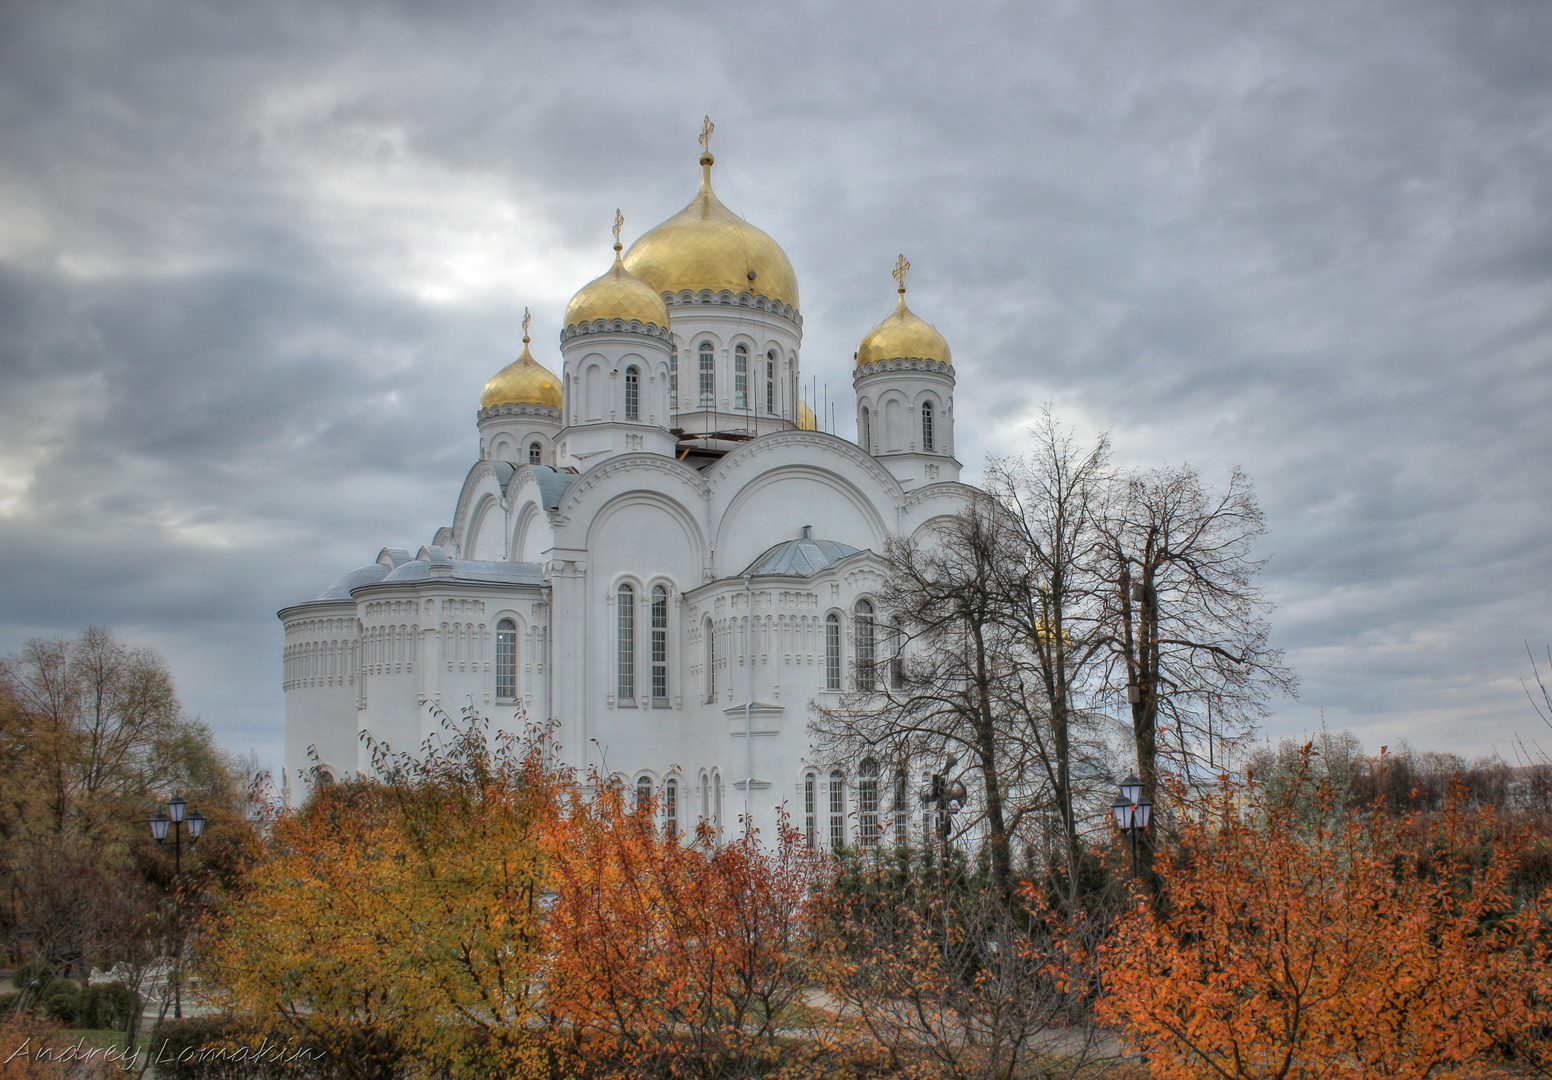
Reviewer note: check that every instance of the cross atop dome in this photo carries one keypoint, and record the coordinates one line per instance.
(901, 269)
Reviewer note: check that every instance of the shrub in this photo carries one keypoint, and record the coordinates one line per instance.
(61, 1000)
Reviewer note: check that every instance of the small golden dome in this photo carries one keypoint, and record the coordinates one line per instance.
(807, 421)
(903, 336)
(618, 294)
(525, 381)
(707, 246)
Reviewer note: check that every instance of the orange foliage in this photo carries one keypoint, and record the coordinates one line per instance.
(670, 959)
(1336, 945)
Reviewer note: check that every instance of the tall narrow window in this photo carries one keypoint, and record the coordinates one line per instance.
(832, 651)
(867, 802)
(708, 376)
(625, 644)
(506, 660)
(673, 379)
(770, 382)
(711, 662)
(867, 430)
(896, 658)
(902, 809)
(837, 810)
(659, 645)
(535, 453)
(671, 807)
(926, 413)
(741, 377)
(716, 801)
(810, 807)
(867, 646)
(643, 792)
(633, 393)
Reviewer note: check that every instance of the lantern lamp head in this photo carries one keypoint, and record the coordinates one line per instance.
(159, 825)
(175, 807)
(196, 825)
(1131, 788)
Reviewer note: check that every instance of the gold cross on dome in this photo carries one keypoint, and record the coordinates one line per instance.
(619, 223)
(527, 318)
(707, 127)
(901, 269)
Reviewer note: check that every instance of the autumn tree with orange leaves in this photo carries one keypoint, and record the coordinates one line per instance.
(1333, 945)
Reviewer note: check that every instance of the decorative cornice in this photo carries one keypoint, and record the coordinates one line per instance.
(522, 408)
(776, 440)
(615, 326)
(726, 298)
(635, 462)
(903, 363)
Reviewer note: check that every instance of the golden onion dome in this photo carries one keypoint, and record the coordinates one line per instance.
(525, 381)
(807, 421)
(707, 246)
(618, 294)
(903, 335)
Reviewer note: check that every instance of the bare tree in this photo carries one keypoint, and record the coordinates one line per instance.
(1187, 641)
(1049, 592)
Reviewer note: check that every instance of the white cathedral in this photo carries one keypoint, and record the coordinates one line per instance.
(656, 548)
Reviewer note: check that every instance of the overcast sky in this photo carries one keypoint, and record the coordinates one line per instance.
(258, 259)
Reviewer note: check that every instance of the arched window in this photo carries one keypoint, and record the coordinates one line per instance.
(867, 430)
(902, 809)
(711, 663)
(659, 645)
(625, 644)
(671, 807)
(633, 393)
(837, 810)
(741, 377)
(506, 660)
(867, 645)
(643, 791)
(770, 382)
(535, 454)
(673, 379)
(832, 651)
(716, 801)
(708, 376)
(926, 414)
(810, 807)
(867, 802)
(896, 657)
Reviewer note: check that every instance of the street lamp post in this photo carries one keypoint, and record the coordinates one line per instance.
(948, 796)
(1132, 813)
(175, 817)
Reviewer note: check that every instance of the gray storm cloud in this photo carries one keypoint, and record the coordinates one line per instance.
(256, 262)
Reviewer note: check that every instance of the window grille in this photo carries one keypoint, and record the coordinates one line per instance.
(867, 646)
(643, 792)
(671, 807)
(673, 379)
(535, 454)
(867, 802)
(625, 621)
(708, 376)
(837, 810)
(926, 415)
(711, 663)
(741, 377)
(867, 430)
(770, 382)
(632, 393)
(506, 660)
(832, 651)
(659, 644)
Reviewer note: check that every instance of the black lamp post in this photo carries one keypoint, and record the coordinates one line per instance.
(948, 796)
(1132, 813)
(177, 816)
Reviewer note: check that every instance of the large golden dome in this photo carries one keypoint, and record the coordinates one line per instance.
(525, 381)
(707, 246)
(903, 336)
(618, 294)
